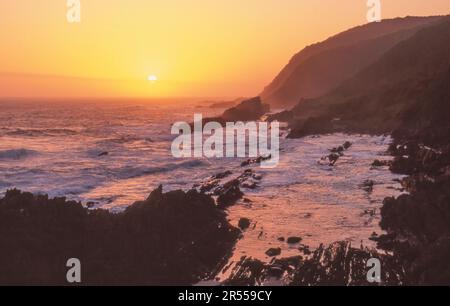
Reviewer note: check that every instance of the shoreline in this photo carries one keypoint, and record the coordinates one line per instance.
(229, 193)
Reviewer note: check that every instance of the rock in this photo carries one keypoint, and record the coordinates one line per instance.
(257, 160)
(294, 240)
(275, 271)
(347, 145)
(284, 116)
(91, 204)
(310, 126)
(305, 250)
(250, 185)
(247, 110)
(222, 175)
(281, 239)
(258, 177)
(230, 194)
(333, 158)
(244, 223)
(379, 163)
(339, 150)
(209, 185)
(103, 154)
(247, 272)
(368, 185)
(174, 238)
(273, 252)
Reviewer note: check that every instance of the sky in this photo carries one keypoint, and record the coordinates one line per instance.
(195, 48)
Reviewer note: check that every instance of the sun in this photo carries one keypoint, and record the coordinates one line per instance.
(152, 78)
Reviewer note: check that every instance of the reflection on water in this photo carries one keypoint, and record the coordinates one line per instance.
(320, 204)
(59, 150)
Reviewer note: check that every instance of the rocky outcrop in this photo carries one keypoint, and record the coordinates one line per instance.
(336, 265)
(174, 238)
(418, 223)
(248, 110)
(405, 90)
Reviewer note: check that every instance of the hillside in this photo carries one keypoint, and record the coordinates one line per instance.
(322, 67)
(407, 88)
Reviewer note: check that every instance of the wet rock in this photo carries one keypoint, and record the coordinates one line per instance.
(274, 271)
(281, 239)
(257, 160)
(244, 223)
(258, 177)
(333, 158)
(341, 265)
(305, 250)
(367, 186)
(347, 145)
(230, 194)
(380, 163)
(222, 175)
(273, 252)
(91, 204)
(249, 185)
(294, 240)
(339, 150)
(209, 185)
(247, 272)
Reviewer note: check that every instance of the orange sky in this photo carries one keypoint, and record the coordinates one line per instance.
(203, 48)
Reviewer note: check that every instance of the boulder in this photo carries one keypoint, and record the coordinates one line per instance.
(244, 223)
(294, 240)
(272, 252)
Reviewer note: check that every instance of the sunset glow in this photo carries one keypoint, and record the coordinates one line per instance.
(152, 78)
(200, 48)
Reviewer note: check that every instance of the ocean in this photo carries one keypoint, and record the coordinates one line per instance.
(110, 154)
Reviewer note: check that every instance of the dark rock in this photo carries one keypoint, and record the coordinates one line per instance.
(209, 185)
(274, 271)
(284, 116)
(250, 185)
(381, 163)
(244, 223)
(174, 238)
(103, 154)
(294, 240)
(333, 158)
(222, 175)
(247, 272)
(368, 185)
(311, 126)
(230, 194)
(339, 150)
(91, 204)
(247, 110)
(340, 264)
(257, 160)
(347, 145)
(273, 252)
